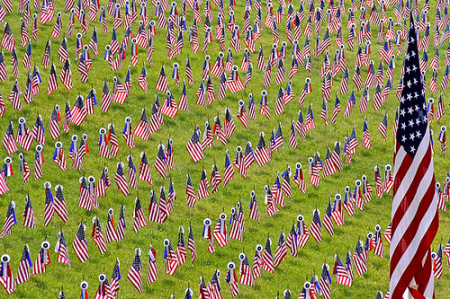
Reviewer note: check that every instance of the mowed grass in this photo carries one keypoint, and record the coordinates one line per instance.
(293, 271)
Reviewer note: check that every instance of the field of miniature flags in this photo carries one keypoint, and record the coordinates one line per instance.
(210, 148)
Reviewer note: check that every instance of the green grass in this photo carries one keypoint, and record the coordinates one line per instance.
(293, 271)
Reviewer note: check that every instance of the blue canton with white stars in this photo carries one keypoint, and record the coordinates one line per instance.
(413, 116)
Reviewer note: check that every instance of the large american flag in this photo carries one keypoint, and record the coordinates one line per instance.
(414, 210)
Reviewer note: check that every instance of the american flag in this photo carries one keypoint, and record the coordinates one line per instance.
(194, 147)
(127, 133)
(203, 186)
(162, 207)
(80, 244)
(7, 278)
(138, 215)
(329, 165)
(43, 259)
(267, 257)
(443, 139)
(3, 73)
(359, 259)
(14, 96)
(23, 273)
(309, 122)
(281, 250)
(8, 41)
(325, 282)
(49, 210)
(27, 58)
(232, 280)
(38, 131)
(134, 275)
(382, 128)
(66, 75)
(131, 173)
(115, 278)
(191, 245)
(104, 183)
(245, 271)
(342, 274)
(171, 261)
(46, 56)
(111, 234)
(78, 111)
(366, 134)
(154, 213)
(316, 226)
(38, 161)
(9, 141)
(214, 286)
(409, 152)
(10, 219)
(97, 236)
(181, 247)
(161, 83)
(28, 214)
(84, 199)
(144, 170)
(378, 242)
(121, 225)
(152, 274)
(24, 168)
(143, 79)
(62, 51)
(190, 192)
(120, 179)
(52, 80)
(15, 63)
(220, 231)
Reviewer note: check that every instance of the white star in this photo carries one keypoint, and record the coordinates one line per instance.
(402, 112)
(402, 100)
(411, 123)
(413, 149)
(418, 134)
(415, 81)
(411, 136)
(416, 107)
(417, 121)
(409, 96)
(411, 40)
(408, 83)
(413, 53)
(414, 68)
(410, 110)
(403, 138)
(403, 126)
(408, 70)
(407, 56)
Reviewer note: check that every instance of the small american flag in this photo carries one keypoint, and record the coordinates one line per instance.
(10, 220)
(80, 244)
(382, 128)
(120, 179)
(134, 275)
(194, 147)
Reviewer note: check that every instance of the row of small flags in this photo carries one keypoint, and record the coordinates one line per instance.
(195, 147)
(370, 81)
(263, 258)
